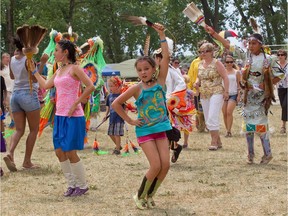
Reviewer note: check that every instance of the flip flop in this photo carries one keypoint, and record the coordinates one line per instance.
(31, 168)
(213, 148)
(10, 164)
(176, 154)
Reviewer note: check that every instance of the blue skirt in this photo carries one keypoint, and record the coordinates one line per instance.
(69, 133)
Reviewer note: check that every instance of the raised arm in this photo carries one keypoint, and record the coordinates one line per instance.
(164, 64)
(215, 35)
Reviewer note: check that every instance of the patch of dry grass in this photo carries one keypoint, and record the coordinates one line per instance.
(200, 183)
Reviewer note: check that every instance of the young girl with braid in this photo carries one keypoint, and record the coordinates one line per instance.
(152, 120)
(69, 122)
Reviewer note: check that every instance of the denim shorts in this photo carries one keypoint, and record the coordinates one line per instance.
(24, 101)
(233, 97)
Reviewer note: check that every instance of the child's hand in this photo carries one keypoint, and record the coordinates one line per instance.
(158, 27)
(136, 122)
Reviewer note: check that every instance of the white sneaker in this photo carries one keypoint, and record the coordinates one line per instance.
(140, 203)
(150, 202)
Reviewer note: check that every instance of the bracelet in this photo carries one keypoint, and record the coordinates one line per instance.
(35, 71)
(163, 41)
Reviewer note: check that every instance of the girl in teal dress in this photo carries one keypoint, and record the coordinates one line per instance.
(152, 121)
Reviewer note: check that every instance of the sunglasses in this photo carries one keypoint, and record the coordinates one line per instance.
(229, 62)
(280, 54)
(204, 51)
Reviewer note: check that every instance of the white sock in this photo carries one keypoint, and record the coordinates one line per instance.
(66, 168)
(79, 172)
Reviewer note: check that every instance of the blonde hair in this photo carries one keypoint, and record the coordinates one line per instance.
(207, 46)
(186, 78)
(116, 81)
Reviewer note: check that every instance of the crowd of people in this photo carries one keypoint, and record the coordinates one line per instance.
(166, 99)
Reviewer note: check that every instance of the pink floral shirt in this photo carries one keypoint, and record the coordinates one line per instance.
(67, 91)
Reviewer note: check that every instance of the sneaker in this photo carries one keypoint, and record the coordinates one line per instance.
(250, 159)
(69, 191)
(116, 152)
(150, 202)
(266, 159)
(78, 191)
(140, 203)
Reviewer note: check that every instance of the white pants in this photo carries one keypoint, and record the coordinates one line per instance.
(212, 108)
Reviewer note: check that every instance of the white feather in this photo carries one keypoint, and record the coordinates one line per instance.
(70, 30)
(170, 45)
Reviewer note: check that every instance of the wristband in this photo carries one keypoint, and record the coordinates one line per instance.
(35, 71)
(163, 41)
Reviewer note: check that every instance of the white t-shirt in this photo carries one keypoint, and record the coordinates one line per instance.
(5, 73)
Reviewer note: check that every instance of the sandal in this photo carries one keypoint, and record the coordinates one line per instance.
(228, 134)
(283, 130)
(176, 154)
(213, 148)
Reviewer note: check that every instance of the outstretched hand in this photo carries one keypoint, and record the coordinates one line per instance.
(209, 29)
(158, 27)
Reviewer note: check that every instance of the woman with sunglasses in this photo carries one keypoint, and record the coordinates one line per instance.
(257, 80)
(282, 87)
(229, 105)
(211, 72)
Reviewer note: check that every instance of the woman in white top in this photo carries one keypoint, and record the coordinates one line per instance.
(234, 96)
(282, 86)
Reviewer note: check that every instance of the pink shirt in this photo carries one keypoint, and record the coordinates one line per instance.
(67, 90)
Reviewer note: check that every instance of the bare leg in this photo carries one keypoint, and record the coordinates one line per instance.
(229, 115)
(116, 140)
(224, 112)
(33, 122)
(20, 122)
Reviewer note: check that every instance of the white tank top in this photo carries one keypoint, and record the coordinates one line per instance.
(232, 83)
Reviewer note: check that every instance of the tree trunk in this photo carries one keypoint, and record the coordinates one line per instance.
(10, 27)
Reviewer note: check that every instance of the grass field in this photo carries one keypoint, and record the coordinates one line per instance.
(200, 183)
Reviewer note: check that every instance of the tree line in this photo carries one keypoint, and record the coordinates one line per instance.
(122, 40)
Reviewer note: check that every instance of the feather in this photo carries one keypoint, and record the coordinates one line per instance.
(70, 30)
(137, 20)
(23, 34)
(31, 37)
(194, 14)
(254, 25)
(170, 45)
(146, 45)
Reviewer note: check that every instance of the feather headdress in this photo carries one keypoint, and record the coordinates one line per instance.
(254, 25)
(70, 35)
(30, 36)
(49, 50)
(194, 14)
(137, 20)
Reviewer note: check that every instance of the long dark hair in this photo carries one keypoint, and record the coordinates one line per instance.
(71, 47)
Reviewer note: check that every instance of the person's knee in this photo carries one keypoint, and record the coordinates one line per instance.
(155, 168)
(61, 155)
(165, 166)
